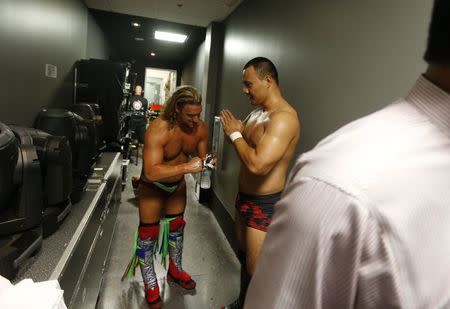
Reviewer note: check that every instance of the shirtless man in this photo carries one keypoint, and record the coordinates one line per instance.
(265, 143)
(169, 141)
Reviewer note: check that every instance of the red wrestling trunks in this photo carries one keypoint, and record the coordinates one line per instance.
(257, 210)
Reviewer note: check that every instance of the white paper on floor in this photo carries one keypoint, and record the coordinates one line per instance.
(36, 295)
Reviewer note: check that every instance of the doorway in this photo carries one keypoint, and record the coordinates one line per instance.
(159, 85)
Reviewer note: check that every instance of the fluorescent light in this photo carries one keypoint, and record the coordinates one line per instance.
(152, 54)
(139, 39)
(135, 24)
(169, 36)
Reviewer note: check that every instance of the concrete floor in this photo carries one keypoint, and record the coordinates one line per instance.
(207, 256)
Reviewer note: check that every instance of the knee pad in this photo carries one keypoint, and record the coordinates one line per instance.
(148, 231)
(177, 224)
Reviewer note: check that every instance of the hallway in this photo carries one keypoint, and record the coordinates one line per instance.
(329, 122)
(207, 256)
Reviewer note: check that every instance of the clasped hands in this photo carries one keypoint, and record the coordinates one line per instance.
(229, 123)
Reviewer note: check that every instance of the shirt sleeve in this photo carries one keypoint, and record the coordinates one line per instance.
(312, 251)
(145, 103)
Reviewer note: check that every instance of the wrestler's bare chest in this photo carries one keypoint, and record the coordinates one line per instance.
(255, 126)
(180, 145)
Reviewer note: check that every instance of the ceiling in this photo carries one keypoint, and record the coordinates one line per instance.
(122, 38)
(190, 17)
(190, 12)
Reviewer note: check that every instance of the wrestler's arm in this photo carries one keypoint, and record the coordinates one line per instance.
(260, 160)
(153, 153)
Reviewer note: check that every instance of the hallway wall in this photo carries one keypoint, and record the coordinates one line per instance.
(337, 61)
(192, 73)
(97, 46)
(36, 33)
(202, 69)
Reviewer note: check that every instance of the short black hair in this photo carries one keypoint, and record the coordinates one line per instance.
(438, 46)
(264, 67)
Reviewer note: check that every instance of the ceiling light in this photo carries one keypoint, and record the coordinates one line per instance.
(169, 36)
(152, 54)
(139, 39)
(135, 24)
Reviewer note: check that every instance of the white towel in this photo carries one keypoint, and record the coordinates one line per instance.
(26, 293)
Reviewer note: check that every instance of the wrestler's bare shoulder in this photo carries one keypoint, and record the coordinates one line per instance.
(159, 123)
(159, 128)
(286, 114)
(202, 129)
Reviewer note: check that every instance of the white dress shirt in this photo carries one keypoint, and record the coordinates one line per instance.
(364, 221)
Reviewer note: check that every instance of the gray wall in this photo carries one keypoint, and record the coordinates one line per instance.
(192, 73)
(202, 70)
(97, 45)
(337, 61)
(32, 34)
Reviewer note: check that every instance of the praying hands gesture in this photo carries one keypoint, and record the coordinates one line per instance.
(229, 123)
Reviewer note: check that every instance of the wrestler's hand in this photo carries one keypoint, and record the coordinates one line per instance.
(229, 123)
(195, 165)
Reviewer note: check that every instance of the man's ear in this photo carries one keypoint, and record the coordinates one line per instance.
(269, 80)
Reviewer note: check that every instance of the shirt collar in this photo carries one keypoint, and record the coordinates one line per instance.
(432, 101)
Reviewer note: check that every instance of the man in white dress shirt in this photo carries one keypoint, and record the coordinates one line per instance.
(369, 225)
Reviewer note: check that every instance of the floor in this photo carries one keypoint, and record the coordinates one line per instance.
(207, 256)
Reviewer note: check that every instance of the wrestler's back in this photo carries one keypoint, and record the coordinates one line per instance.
(274, 181)
(178, 145)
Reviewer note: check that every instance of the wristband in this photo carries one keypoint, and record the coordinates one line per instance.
(235, 135)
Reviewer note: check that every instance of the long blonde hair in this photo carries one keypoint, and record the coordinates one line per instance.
(182, 96)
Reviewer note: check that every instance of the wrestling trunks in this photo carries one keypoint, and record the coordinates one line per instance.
(168, 187)
(257, 210)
